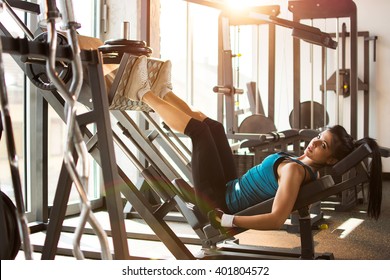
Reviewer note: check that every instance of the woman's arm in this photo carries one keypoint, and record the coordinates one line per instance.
(291, 176)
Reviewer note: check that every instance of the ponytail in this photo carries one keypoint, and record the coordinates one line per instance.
(343, 144)
(375, 174)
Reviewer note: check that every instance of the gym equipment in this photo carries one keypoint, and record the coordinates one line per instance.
(316, 120)
(114, 49)
(341, 85)
(64, 96)
(226, 102)
(209, 236)
(266, 138)
(154, 216)
(158, 172)
(75, 141)
(326, 9)
(9, 230)
(105, 156)
(292, 141)
(254, 16)
(153, 175)
(100, 145)
(344, 82)
(36, 68)
(256, 124)
(13, 163)
(308, 194)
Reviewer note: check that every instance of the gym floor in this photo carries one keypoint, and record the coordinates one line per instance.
(349, 235)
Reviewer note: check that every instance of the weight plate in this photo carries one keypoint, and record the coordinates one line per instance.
(36, 72)
(11, 249)
(125, 42)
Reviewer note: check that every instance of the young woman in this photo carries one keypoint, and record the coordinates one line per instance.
(214, 173)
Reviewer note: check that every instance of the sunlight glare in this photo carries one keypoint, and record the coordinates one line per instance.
(241, 4)
(348, 226)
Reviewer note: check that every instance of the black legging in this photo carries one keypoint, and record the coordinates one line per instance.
(212, 163)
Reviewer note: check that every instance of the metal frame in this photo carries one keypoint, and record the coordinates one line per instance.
(225, 69)
(362, 85)
(336, 9)
(17, 47)
(100, 116)
(325, 9)
(101, 147)
(308, 194)
(259, 15)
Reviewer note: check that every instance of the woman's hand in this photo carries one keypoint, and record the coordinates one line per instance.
(215, 217)
(218, 219)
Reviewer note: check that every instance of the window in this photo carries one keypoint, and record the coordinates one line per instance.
(85, 14)
(189, 38)
(190, 41)
(15, 84)
(27, 122)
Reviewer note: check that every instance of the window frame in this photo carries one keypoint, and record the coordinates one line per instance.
(35, 139)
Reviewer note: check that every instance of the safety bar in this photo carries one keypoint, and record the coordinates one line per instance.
(307, 33)
(25, 6)
(23, 47)
(267, 138)
(308, 133)
(227, 90)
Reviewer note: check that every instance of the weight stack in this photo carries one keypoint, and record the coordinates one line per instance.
(243, 162)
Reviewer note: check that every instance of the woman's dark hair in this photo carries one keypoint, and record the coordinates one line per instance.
(342, 145)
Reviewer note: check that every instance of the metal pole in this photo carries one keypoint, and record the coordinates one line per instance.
(14, 166)
(74, 136)
(337, 86)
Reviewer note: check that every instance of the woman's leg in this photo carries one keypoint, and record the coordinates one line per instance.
(217, 131)
(216, 128)
(173, 117)
(224, 151)
(207, 168)
(176, 101)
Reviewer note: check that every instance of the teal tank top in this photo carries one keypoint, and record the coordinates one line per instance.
(259, 183)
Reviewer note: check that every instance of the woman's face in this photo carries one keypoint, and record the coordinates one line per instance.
(320, 150)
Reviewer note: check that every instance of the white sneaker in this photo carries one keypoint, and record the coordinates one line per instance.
(162, 85)
(138, 81)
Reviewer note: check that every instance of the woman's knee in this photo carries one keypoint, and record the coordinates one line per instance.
(197, 129)
(214, 125)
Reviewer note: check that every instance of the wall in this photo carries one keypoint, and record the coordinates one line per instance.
(130, 11)
(118, 12)
(373, 17)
